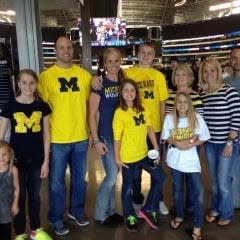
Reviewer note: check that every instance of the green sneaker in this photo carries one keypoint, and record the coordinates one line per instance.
(131, 223)
(21, 237)
(39, 234)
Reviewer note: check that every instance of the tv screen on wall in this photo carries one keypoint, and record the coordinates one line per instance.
(103, 32)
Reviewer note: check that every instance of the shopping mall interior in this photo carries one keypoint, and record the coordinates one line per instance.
(187, 29)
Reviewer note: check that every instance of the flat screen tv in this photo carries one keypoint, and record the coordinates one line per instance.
(103, 32)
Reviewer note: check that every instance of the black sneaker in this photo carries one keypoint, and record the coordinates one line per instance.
(150, 217)
(108, 222)
(118, 219)
(131, 223)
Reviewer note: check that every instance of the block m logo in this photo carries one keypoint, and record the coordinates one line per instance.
(148, 95)
(71, 84)
(24, 123)
(139, 120)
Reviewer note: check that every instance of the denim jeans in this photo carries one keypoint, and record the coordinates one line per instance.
(190, 201)
(197, 191)
(220, 168)
(157, 179)
(236, 177)
(29, 184)
(138, 197)
(105, 201)
(74, 154)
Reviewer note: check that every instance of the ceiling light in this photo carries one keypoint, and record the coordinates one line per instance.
(8, 13)
(180, 3)
(221, 6)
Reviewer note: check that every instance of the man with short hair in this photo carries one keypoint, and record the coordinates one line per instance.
(173, 64)
(65, 87)
(235, 82)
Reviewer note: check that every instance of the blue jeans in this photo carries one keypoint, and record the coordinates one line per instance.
(236, 177)
(157, 179)
(105, 201)
(197, 192)
(220, 168)
(190, 201)
(74, 154)
(138, 197)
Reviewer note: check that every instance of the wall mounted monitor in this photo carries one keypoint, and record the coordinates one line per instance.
(103, 32)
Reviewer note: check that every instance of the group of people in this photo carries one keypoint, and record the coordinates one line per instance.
(122, 115)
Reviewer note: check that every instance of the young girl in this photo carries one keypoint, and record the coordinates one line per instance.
(131, 126)
(9, 190)
(184, 129)
(28, 116)
(100, 122)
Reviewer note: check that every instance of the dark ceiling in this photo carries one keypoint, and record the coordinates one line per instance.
(135, 12)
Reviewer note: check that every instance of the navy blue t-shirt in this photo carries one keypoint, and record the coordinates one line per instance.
(109, 101)
(26, 129)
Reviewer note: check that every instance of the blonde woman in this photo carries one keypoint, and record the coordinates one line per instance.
(100, 122)
(221, 104)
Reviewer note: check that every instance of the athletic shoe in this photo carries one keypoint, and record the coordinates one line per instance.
(83, 221)
(61, 229)
(150, 217)
(107, 223)
(163, 208)
(131, 223)
(39, 234)
(118, 219)
(21, 237)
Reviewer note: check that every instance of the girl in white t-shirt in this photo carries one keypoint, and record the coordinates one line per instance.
(184, 129)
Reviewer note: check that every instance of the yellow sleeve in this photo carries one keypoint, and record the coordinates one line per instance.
(148, 117)
(162, 87)
(42, 86)
(117, 125)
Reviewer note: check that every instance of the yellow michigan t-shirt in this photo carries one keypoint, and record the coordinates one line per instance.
(153, 90)
(66, 90)
(130, 128)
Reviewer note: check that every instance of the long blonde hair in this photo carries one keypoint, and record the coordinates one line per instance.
(191, 113)
(4, 144)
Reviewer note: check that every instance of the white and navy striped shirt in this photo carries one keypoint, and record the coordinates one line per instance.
(196, 101)
(221, 112)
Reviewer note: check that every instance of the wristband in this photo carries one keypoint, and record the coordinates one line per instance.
(229, 143)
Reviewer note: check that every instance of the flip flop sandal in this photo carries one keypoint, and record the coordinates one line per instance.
(224, 222)
(210, 218)
(175, 224)
(196, 237)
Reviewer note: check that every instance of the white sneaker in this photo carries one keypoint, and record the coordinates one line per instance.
(163, 208)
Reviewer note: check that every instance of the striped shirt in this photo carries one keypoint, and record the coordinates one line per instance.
(221, 112)
(196, 100)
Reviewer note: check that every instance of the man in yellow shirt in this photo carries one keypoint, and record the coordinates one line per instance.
(65, 87)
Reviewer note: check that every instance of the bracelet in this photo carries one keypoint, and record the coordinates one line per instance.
(229, 143)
